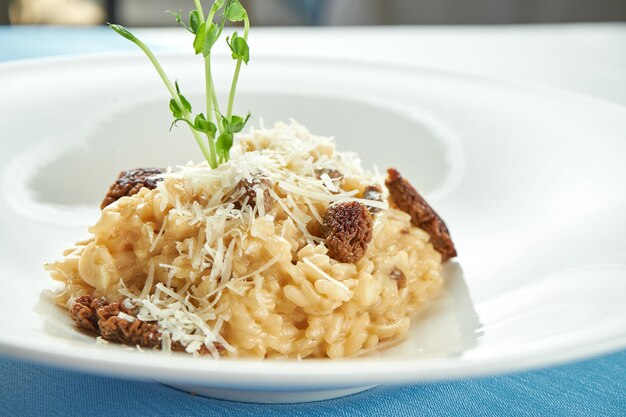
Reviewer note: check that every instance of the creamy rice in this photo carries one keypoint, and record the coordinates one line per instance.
(259, 283)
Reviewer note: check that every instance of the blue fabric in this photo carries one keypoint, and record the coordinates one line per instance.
(33, 42)
(590, 388)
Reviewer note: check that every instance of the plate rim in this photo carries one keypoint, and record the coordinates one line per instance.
(281, 373)
(127, 364)
(169, 54)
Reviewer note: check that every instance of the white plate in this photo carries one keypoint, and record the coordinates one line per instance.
(529, 179)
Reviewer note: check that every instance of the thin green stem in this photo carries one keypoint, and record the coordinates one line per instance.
(233, 86)
(210, 86)
(209, 105)
(212, 106)
(211, 97)
(210, 140)
(216, 108)
(160, 70)
(176, 97)
(199, 8)
(205, 152)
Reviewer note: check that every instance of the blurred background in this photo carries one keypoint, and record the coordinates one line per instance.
(320, 12)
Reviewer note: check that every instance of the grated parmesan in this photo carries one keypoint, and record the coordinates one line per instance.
(326, 276)
(205, 268)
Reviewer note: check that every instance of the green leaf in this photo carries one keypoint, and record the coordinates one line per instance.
(185, 102)
(175, 108)
(176, 111)
(235, 11)
(223, 145)
(200, 122)
(239, 48)
(212, 34)
(122, 31)
(211, 129)
(203, 125)
(237, 123)
(200, 40)
(195, 20)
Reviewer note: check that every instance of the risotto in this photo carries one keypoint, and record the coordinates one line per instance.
(288, 250)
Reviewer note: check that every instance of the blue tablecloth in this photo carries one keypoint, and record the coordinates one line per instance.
(590, 388)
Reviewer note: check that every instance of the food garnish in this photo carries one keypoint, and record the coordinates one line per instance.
(218, 128)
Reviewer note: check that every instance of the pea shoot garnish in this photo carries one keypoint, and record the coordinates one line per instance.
(219, 128)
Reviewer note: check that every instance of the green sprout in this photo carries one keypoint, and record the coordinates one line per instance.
(219, 129)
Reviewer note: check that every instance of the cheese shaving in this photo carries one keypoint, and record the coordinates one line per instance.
(126, 317)
(217, 242)
(326, 276)
(149, 281)
(161, 231)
